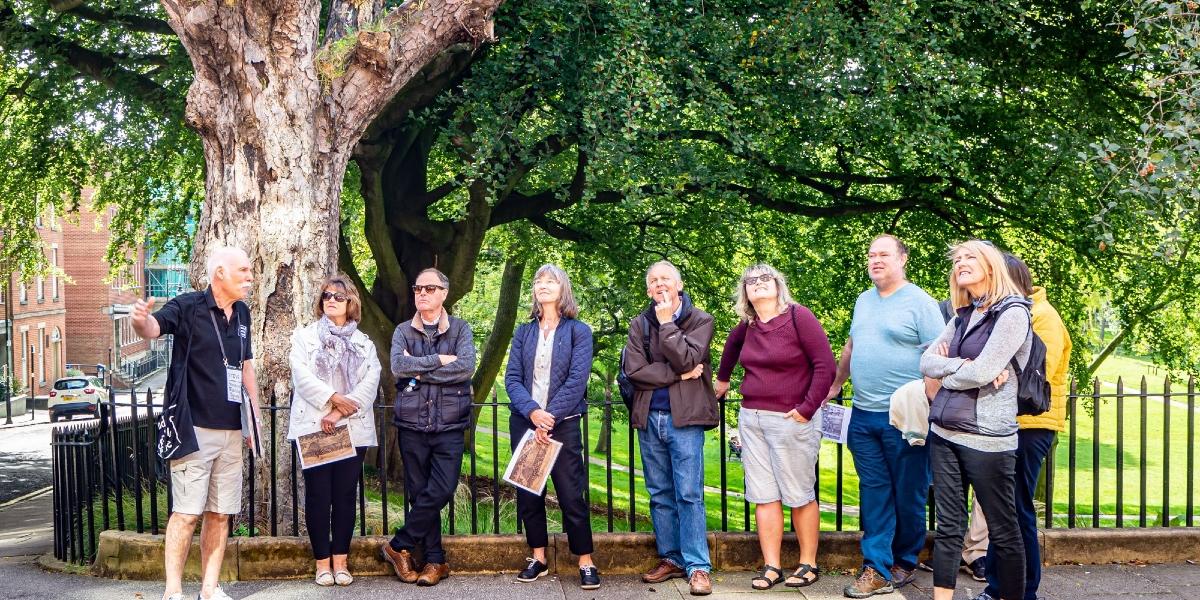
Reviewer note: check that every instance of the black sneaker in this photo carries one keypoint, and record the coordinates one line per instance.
(983, 596)
(589, 577)
(978, 570)
(535, 569)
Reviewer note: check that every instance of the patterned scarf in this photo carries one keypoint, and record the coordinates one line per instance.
(337, 359)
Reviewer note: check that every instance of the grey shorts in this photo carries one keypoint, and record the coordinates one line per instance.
(779, 457)
(210, 479)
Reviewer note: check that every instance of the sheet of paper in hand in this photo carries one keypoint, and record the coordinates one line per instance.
(835, 422)
(320, 448)
(531, 463)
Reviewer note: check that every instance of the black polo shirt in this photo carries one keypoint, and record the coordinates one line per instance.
(187, 318)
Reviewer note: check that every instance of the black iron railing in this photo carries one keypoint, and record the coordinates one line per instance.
(107, 476)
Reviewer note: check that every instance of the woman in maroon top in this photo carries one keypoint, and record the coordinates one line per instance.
(788, 368)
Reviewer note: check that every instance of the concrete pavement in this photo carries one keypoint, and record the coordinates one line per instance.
(22, 578)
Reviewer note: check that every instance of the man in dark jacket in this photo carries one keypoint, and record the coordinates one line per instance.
(433, 357)
(673, 405)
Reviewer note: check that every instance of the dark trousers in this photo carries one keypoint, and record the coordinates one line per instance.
(893, 488)
(955, 468)
(569, 475)
(329, 495)
(432, 463)
(1032, 447)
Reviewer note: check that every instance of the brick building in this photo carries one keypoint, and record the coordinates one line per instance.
(39, 310)
(90, 323)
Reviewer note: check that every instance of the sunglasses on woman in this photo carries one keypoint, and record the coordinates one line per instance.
(753, 279)
(338, 296)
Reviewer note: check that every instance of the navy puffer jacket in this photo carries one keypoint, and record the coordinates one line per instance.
(570, 367)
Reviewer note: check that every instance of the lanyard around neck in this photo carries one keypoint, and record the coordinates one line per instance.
(221, 339)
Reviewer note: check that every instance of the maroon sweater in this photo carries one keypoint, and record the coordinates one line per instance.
(787, 366)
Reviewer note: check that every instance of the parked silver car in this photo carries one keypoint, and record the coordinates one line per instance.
(80, 395)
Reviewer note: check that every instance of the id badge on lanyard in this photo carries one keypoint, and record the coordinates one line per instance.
(233, 374)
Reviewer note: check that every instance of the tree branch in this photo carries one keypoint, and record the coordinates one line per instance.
(383, 62)
(125, 21)
(99, 67)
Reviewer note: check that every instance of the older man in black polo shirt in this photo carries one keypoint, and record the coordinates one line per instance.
(212, 352)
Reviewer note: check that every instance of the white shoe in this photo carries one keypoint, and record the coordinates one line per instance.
(176, 596)
(218, 594)
(324, 579)
(343, 578)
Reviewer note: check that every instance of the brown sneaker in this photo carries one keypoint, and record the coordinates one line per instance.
(402, 563)
(700, 584)
(433, 573)
(901, 576)
(869, 583)
(663, 571)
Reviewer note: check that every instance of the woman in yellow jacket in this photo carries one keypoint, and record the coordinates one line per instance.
(1035, 437)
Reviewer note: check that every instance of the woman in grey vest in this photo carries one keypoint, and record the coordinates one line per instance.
(973, 418)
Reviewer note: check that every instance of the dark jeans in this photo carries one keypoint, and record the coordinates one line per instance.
(955, 468)
(329, 495)
(432, 463)
(893, 489)
(1032, 447)
(569, 475)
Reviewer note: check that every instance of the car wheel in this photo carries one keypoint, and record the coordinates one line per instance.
(53, 417)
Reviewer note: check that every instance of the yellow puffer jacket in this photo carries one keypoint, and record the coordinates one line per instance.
(1049, 326)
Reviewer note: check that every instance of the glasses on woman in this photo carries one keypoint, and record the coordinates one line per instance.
(428, 289)
(753, 279)
(338, 296)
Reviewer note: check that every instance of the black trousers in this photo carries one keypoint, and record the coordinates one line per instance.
(992, 474)
(569, 475)
(329, 494)
(432, 463)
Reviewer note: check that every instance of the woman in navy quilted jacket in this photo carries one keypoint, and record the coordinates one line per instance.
(546, 380)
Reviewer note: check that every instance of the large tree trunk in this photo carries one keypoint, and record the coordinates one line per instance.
(279, 115)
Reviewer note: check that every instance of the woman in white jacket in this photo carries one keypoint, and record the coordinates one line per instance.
(335, 375)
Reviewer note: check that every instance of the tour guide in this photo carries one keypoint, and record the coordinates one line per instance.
(212, 352)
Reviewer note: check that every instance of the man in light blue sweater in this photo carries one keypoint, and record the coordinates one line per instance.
(893, 323)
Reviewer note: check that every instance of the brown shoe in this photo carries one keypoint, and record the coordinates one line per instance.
(663, 571)
(402, 563)
(869, 583)
(700, 584)
(433, 573)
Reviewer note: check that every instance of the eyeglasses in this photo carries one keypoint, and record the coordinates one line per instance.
(428, 289)
(340, 297)
(753, 279)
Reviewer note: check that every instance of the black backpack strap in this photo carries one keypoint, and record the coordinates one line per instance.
(646, 338)
(992, 325)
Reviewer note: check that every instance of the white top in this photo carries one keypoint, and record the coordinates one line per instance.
(541, 368)
(310, 399)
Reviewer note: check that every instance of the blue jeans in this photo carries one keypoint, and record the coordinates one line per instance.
(1032, 447)
(673, 468)
(893, 489)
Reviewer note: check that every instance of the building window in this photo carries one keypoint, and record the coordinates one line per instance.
(41, 288)
(26, 358)
(24, 293)
(41, 354)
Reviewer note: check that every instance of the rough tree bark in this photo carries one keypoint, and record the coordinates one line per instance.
(279, 113)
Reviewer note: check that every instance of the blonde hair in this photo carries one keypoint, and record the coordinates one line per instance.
(353, 302)
(742, 305)
(1000, 284)
(567, 307)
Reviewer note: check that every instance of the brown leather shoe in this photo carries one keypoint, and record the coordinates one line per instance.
(402, 563)
(433, 573)
(663, 571)
(700, 584)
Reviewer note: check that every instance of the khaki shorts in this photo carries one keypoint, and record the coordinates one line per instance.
(210, 479)
(779, 457)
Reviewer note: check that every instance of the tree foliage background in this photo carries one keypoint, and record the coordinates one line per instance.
(607, 134)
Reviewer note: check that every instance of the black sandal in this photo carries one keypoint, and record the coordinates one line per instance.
(801, 575)
(770, 583)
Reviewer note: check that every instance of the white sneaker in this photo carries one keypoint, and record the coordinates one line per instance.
(176, 596)
(218, 594)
